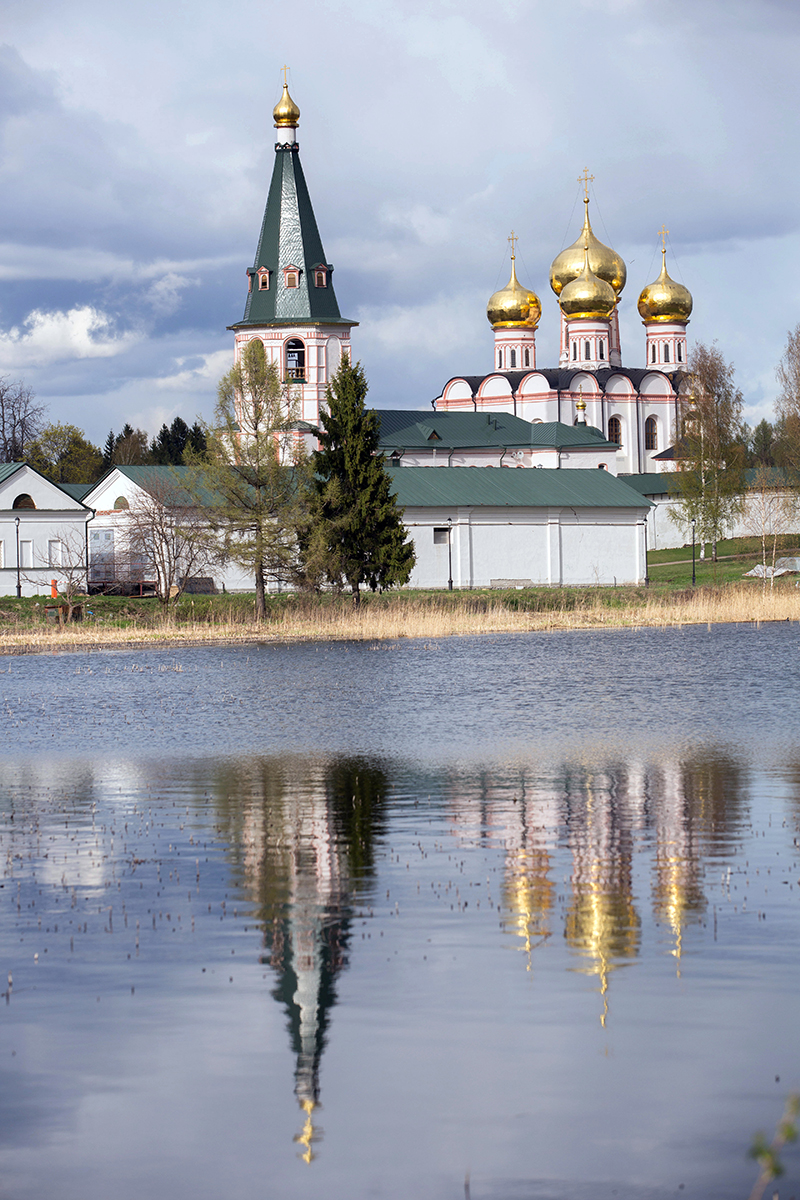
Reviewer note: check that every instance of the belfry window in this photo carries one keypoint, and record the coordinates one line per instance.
(513, 363)
(587, 350)
(666, 352)
(295, 360)
(615, 431)
(651, 434)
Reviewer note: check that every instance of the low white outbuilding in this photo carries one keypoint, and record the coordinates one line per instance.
(43, 531)
(484, 527)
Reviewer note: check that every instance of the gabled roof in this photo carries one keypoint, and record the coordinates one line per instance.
(289, 237)
(560, 378)
(408, 430)
(500, 487)
(75, 491)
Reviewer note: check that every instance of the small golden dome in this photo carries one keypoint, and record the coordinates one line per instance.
(286, 112)
(665, 300)
(514, 305)
(588, 295)
(604, 262)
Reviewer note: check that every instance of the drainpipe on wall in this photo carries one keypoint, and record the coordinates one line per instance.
(86, 539)
(638, 433)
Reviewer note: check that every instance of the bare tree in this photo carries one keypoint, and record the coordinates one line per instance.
(21, 419)
(65, 562)
(168, 531)
(767, 511)
(709, 480)
(787, 407)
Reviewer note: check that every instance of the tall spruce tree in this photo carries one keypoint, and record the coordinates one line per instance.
(356, 535)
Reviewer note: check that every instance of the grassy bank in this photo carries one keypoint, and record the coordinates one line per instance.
(111, 622)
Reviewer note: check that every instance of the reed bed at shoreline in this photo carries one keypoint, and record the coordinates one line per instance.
(400, 616)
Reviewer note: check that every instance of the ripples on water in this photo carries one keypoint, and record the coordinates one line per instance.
(357, 920)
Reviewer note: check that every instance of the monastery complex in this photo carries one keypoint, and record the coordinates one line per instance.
(591, 435)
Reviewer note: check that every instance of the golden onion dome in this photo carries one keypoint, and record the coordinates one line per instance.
(286, 112)
(587, 295)
(604, 262)
(514, 305)
(665, 300)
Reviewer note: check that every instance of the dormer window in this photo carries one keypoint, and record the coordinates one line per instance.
(320, 275)
(291, 276)
(263, 280)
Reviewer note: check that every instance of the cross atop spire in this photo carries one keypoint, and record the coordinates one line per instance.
(662, 233)
(586, 179)
(284, 68)
(513, 239)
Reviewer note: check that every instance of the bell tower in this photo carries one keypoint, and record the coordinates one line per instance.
(291, 304)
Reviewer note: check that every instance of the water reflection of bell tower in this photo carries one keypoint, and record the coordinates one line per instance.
(291, 304)
(303, 836)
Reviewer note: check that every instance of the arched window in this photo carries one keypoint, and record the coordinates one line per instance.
(121, 503)
(653, 352)
(587, 350)
(601, 348)
(295, 359)
(651, 434)
(666, 351)
(680, 351)
(500, 360)
(602, 467)
(23, 501)
(615, 431)
(513, 360)
(574, 351)
(320, 278)
(527, 357)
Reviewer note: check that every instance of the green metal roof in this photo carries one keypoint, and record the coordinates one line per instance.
(407, 430)
(655, 483)
(289, 237)
(8, 469)
(76, 490)
(526, 487)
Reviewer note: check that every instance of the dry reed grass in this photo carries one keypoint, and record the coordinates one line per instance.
(406, 617)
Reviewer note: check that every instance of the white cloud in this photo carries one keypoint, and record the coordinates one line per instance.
(50, 337)
(189, 379)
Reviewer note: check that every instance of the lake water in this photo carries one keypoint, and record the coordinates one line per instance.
(499, 917)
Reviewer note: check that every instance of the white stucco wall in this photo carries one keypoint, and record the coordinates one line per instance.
(53, 531)
(546, 546)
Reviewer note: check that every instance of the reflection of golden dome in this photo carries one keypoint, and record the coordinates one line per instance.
(665, 300)
(514, 305)
(286, 112)
(587, 295)
(603, 261)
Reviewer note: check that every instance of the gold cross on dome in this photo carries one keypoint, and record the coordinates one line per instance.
(513, 239)
(662, 233)
(284, 68)
(586, 179)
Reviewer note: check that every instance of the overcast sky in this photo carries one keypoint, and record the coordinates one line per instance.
(137, 147)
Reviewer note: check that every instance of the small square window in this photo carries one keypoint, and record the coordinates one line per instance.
(440, 536)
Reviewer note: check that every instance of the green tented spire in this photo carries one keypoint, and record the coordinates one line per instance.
(290, 239)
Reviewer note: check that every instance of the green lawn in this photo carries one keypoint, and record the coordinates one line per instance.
(673, 568)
